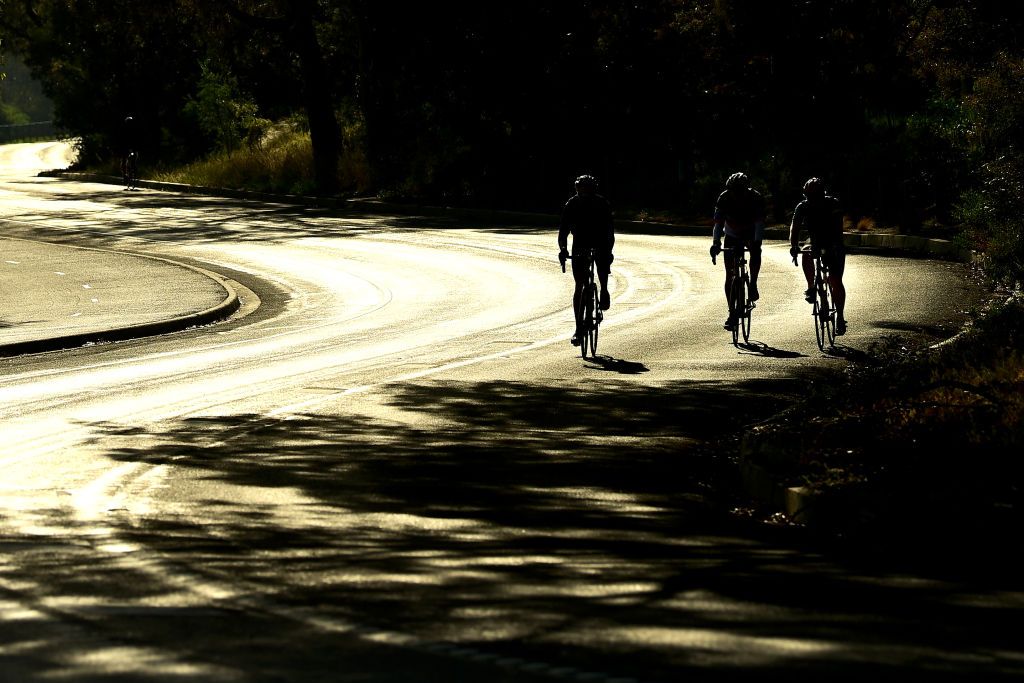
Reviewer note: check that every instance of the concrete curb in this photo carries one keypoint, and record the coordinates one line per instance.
(226, 307)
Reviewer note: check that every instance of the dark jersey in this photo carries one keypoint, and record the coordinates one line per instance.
(740, 211)
(589, 219)
(822, 218)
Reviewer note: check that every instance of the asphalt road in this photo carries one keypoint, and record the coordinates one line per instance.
(390, 464)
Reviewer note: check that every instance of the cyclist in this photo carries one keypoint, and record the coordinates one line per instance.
(128, 142)
(822, 217)
(739, 216)
(588, 217)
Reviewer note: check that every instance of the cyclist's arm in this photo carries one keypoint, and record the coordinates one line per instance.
(719, 229)
(794, 231)
(794, 227)
(564, 227)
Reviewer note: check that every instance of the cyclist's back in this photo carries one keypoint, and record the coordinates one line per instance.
(588, 217)
(822, 217)
(740, 209)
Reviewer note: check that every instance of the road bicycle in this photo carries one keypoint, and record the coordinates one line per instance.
(740, 306)
(130, 170)
(824, 311)
(591, 315)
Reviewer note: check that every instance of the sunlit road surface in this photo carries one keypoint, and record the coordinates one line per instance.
(391, 465)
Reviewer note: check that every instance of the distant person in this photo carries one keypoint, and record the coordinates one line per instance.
(129, 135)
(129, 151)
(739, 216)
(588, 217)
(822, 217)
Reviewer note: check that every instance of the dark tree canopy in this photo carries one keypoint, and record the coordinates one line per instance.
(905, 107)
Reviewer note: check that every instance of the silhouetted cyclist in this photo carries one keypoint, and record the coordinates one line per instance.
(739, 216)
(588, 217)
(130, 154)
(822, 217)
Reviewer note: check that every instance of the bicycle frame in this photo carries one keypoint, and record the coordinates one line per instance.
(824, 312)
(590, 313)
(740, 305)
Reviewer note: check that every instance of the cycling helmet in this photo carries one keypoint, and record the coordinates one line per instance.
(586, 182)
(737, 181)
(814, 187)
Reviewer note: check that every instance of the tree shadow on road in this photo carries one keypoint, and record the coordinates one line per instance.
(587, 527)
(174, 217)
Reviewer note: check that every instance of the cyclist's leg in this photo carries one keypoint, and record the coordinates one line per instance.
(836, 267)
(603, 266)
(581, 275)
(729, 260)
(807, 264)
(755, 267)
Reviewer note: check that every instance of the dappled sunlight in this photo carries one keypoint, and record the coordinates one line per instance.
(168, 216)
(506, 527)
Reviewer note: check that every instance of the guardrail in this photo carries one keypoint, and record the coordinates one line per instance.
(24, 132)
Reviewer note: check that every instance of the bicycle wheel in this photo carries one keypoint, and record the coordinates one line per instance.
(737, 307)
(830, 315)
(822, 317)
(746, 312)
(592, 333)
(588, 319)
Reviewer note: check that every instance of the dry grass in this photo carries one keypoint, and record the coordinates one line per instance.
(282, 164)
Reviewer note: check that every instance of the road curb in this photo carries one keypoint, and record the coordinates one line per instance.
(226, 307)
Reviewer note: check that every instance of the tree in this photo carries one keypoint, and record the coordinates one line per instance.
(295, 23)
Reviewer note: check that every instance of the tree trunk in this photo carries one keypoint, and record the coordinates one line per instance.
(316, 92)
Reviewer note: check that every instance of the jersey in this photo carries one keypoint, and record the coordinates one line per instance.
(822, 218)
(589, 219)
(740, 213)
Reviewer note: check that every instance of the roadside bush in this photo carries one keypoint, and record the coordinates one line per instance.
(223, 113)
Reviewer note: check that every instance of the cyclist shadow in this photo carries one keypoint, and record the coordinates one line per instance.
(761, 349)
(850, 353)
(623, 367)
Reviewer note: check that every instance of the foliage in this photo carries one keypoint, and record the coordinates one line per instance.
(282, 163)
(935, 433)
(224, 115)
(906, 108)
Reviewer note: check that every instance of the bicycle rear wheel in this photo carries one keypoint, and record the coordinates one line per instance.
(737, 307)
(824, 321)
(746, 312)
(589, 337)
(592, 333)
(830, 316)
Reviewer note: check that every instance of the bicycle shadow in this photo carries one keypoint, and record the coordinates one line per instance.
(623, 367)
(757, 348)
(848, 353)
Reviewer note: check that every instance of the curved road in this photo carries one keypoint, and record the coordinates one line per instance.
(391, 463)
